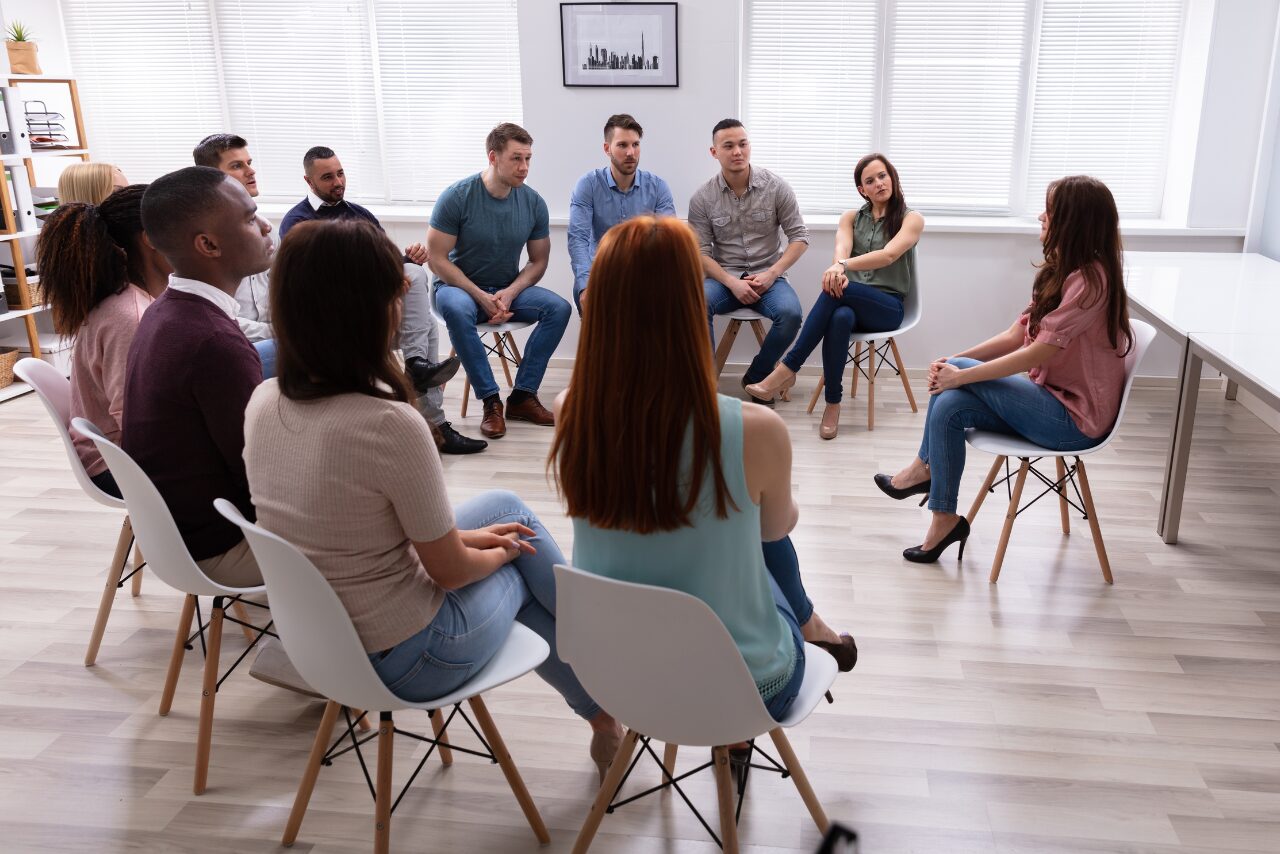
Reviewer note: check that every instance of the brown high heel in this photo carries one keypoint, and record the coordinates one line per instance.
(604, 746)
(845, 653)
(766, 392)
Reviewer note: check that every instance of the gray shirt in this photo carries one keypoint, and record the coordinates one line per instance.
(742, 234)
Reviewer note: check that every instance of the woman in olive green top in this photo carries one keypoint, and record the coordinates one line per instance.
(863, 291)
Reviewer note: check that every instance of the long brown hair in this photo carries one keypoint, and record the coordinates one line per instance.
(616, 465)
(86, 253)
(335, 286)
(896, 211)
(1083, 235)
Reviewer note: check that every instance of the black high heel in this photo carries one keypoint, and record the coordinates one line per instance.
(958, 534)
(885, 482)
(845, 653)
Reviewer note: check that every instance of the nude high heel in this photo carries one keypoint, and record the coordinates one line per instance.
(830, 421)
(781, 379)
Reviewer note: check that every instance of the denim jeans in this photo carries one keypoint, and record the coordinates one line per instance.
(780, 703)
(1012, 405)
(861, 308)
(474, 621)
(780, 304)
(534, 305)
(267, 354)
(784, 567)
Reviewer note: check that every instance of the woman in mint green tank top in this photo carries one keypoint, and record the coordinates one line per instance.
(680, 488)
(863, 291)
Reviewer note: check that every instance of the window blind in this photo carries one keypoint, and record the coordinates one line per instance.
(1105, 83)
(810, 94)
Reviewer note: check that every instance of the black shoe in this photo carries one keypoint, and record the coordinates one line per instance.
(752, 397)
(958, 534)
(740, 767)
(456, 443)
(426, 375)
(885, 482)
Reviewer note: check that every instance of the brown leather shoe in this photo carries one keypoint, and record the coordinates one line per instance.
(530, 409)
(493, 424)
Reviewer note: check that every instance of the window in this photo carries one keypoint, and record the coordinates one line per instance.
(404, 91)
(980, 103)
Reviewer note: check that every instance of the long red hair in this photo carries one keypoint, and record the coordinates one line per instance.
(643, 384)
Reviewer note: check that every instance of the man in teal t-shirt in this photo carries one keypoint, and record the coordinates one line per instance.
(479, 227)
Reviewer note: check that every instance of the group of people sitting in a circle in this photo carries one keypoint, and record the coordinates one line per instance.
(682, 487)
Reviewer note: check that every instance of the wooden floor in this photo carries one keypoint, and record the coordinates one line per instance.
(1050, 713)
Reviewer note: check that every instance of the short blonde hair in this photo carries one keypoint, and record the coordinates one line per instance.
(86, 182)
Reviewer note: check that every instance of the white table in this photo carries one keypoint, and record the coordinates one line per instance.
(1222, 309)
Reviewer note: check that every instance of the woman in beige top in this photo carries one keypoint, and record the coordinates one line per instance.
(341, 464)
(99, 275)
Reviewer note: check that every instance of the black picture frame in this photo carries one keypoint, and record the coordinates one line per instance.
(577, 68)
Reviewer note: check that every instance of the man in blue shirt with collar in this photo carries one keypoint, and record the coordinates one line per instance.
(605, 197)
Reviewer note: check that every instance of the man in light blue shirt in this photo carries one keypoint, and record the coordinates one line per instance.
(605, 197)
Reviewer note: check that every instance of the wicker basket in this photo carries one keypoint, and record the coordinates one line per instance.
(14, 298)
(8, 358)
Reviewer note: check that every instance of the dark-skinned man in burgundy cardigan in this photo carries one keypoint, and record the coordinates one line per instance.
(191, 370)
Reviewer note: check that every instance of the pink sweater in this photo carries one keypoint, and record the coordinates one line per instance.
(1087, 373)
(98, 368)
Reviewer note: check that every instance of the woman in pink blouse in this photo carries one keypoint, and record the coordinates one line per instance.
(99, 275)
(1070, 341)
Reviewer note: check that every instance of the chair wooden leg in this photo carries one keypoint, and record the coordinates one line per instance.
(726, 344)
(208, 693)
(1063, 507)
(466, 395)
(308, 783)
(611, 780)
(502, 357)
(179, 651)
(871, 385)
(118, 560)
(437, 726)
(1009, 516)
(724, 797)
(243, 616)
(986, 487)
(669, 759)
(499, 749)
(783, 744)
(362, 720)
(382, 796)
(1094, 527)
(137, 576)
(813, 401)
(902, 374)
(516, 358)
(853, 381)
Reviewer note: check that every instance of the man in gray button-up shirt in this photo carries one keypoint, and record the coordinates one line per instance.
(740, 216)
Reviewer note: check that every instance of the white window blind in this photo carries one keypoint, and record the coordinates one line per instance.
(449, 72)
(810, 86)
(1105, 80)
(299, 73)
(952, 101)
(146, 86)
(403, 90)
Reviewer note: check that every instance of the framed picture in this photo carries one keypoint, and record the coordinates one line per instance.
(620, 44)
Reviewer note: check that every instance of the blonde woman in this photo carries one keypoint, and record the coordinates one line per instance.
(89, 183)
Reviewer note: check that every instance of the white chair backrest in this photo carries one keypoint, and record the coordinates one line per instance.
(1143, 335)
(911, 305)
(659, 660)
(153, 524)
(313, 625)
(54, 391)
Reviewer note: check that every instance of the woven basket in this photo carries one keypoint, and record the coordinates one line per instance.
(14, 298)
(8, 358)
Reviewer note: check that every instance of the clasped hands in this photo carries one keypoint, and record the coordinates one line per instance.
(749, 288)
(505, 536)
(943, 375)
(497, 305)
(834, 280)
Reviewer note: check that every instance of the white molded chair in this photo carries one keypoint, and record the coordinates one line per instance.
(503, 346)
(322, 643)
(876, 355)
(168, 558)
(54, 391)
(1004, 447)
(736, 319)
(664, 665)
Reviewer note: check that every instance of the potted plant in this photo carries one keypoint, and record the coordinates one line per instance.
(22, 49)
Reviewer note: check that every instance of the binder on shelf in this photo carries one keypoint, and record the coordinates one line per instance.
(15, 121)
(25, 209)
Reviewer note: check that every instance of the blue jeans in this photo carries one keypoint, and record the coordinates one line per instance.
(267, 353)
(780, 703)
(784, 567)
(474, 621)
(780, 304)
(1012, 405)
(861, 308)
(534, 305)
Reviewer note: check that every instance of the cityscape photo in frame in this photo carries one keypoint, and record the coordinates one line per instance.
(620, 44)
